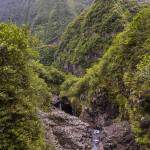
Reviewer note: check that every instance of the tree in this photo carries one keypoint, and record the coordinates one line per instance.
(19, 125)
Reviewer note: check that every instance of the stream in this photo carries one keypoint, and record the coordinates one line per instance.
(96, 139)
(96, 134)
(61, 123)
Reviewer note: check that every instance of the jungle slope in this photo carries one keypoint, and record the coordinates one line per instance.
(117, 87)
(89, 35)
(113, 95)
(47, 18)
(21, 91)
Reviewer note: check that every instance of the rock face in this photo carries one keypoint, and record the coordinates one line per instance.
(113, 135)
(96, 131)
(102, 111)
(118, 136)
(66, 132)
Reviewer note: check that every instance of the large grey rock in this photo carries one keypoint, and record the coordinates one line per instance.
(113, 135)
(66, 132)
(119, 136)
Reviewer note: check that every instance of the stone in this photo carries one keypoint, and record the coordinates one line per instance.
(66, 132)
(119, 136)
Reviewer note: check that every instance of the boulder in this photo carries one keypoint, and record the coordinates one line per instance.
(66, 132)
(119, 136)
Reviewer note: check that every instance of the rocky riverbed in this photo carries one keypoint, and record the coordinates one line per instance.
(67, 132)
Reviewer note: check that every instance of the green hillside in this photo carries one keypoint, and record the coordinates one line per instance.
(90, 34)
(94, 77)
(21, 91)
(47, 18)
(123, 74)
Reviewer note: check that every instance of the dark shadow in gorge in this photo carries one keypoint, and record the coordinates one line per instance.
(64, 105)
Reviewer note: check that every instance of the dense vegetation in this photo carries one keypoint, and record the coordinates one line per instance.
(122, 72)
(87, 37)
(53, 17)
(21, 91)
(47, 18)
(106, 49)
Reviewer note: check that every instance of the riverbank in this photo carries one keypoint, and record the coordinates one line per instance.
(67, 132)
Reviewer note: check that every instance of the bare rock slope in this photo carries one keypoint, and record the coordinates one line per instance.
(66, 132)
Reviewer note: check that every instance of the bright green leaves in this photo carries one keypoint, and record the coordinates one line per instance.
(89, 35)
(124, 70)
(19, 95)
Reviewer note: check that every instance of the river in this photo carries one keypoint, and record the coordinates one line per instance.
(96, 139)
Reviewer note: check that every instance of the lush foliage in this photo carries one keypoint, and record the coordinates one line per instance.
(52, 76)
(111, 39)
(87, 37)
(21, 90)
(48, 54)
(47, 18)
(124, 71)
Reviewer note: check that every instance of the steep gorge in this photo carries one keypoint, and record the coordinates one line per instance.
(94, 93)
(67, 132)
(116, 88)
(88, 37)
